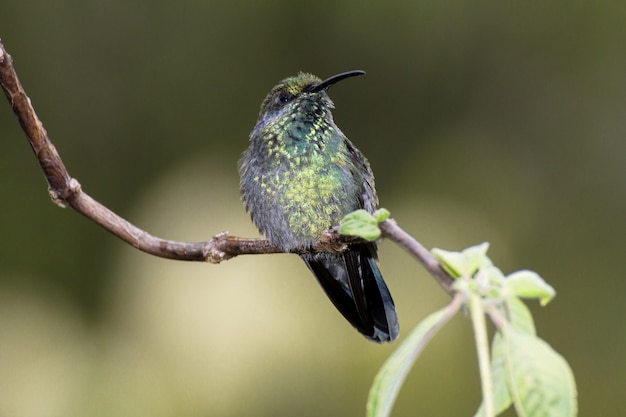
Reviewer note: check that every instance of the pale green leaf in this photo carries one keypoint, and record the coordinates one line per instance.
(381, 214)
(519, 316)
(540, 381)
(360, 223)
(389, 379)
(493, 274)
(464, 263)
(528, 284)
(490, 280)
(452, 262)
(476, 257)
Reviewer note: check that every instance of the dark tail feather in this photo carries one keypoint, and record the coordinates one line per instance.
(355, 285)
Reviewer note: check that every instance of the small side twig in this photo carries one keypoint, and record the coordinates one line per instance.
(66, 191)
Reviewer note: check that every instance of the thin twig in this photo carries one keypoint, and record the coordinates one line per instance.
(66, 191)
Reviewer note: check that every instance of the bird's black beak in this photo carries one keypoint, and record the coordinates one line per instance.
(328, 82)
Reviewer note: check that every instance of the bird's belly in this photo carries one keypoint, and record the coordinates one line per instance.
(304, 203)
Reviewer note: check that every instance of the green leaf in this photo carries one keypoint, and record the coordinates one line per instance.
(464, 263)
(493, 274)
(490, 280)
(519, 315)
(452, 262)
(529, 284)
(381, 214)
(360, 223)
(389, 379)
(540, 381)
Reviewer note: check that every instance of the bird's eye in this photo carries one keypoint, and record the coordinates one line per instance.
(284, 98)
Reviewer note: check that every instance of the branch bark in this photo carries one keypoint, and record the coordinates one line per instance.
(65, 191)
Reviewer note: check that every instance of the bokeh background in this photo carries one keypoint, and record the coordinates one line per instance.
(483, 121)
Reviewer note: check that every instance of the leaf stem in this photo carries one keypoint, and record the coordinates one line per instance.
(482, 347)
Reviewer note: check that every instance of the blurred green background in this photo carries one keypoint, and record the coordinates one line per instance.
(483, 120)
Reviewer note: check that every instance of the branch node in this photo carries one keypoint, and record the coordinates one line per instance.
(214, 256)
(330, 241)
(211, 252)
(74, 186)
(61, 197)
(56, 198)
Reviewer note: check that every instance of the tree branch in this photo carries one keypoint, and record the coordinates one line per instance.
(66, 191)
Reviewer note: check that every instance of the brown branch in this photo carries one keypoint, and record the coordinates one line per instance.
(66, 191)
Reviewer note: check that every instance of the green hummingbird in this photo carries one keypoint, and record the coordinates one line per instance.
(299, 177)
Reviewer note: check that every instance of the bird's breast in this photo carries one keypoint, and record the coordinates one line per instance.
(294, 202)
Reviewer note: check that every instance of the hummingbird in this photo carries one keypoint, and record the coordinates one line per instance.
(299, 176)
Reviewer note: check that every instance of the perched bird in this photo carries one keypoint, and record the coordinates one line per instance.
(299, 177)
